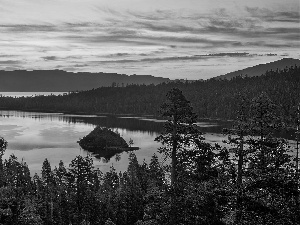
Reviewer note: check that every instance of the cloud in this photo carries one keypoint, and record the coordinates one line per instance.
(120, 54)
(175, 28)
(206, 42)
(288, 17)
(80, 65)
(155, 16)
(122, 32)
(179, 58)
(29, 28)
(167, 27)
(114, 39)
(250, 28)
(11, 68)
(50, 58)
(121, 35)
(230, 54)
(8, 56)
(10, 62)
(273, 16)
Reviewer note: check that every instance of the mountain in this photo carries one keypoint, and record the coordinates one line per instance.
(213, 98)
(262, 68)
(62, 81)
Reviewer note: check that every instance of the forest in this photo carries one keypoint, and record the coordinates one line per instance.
(254, 180)
(213, 98)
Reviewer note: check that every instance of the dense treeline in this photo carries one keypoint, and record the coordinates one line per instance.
(211, 99)
(257, 184)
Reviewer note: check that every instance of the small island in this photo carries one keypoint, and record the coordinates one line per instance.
(103, 141)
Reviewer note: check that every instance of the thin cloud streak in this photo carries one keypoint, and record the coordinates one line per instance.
(9, 62)
(183, 58)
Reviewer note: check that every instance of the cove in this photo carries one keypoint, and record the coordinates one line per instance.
(34, 136)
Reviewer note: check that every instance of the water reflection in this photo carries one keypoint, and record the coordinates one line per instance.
(35, 136)
(107, 155)
(140, 124)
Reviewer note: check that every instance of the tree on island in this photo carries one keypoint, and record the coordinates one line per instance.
(130, 142)
(101, 138)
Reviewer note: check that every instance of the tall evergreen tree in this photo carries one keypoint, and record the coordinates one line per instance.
(3, 146)
(81, 170)
(49, 191)
(268, 173)
(178, 128)
(236, 137)
(180, 131)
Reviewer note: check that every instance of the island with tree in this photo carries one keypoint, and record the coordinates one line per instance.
(104, 141)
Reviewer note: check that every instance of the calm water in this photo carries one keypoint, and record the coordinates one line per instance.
(34, 136)
(29, 94)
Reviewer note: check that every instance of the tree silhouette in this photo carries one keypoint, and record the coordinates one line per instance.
(180, 130)
(3, 146)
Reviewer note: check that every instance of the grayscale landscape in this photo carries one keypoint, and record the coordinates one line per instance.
(138, 112)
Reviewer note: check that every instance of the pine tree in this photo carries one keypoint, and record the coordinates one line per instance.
(134, 190)
(156, 171)
(3, 146)
(236, 137)
(178, 128)
(81, 170)
(268, 170)
(268, 152)
(49, 191)
(180, 131)
(29, 215)
(47, 174)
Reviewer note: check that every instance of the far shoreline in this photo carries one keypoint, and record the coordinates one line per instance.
(105, 114)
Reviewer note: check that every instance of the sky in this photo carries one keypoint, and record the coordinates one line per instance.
(178, 39)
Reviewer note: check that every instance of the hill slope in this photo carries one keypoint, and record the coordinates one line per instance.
(211, 98)
(62, 81)
(262, 68)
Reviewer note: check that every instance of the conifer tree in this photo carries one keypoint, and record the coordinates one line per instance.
(180, 130)
(49, 188)
(236, 137)
(29, 215)
(3, 146)
(81, 171)
(268, 173)
(268, 152)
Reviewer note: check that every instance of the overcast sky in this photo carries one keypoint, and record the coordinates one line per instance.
(193, 39)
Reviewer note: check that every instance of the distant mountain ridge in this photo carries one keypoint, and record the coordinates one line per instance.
(261, 68)
(62, 81)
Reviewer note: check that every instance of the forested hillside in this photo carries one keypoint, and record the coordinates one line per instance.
(262, 68)
(210, 99)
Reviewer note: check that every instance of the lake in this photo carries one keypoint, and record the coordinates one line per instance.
(34, 136)
(29, 94)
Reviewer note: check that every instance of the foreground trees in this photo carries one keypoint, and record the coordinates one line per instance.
(265, 189)
(191, 164)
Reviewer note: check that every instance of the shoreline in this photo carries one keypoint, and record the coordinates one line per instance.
(106, 114)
